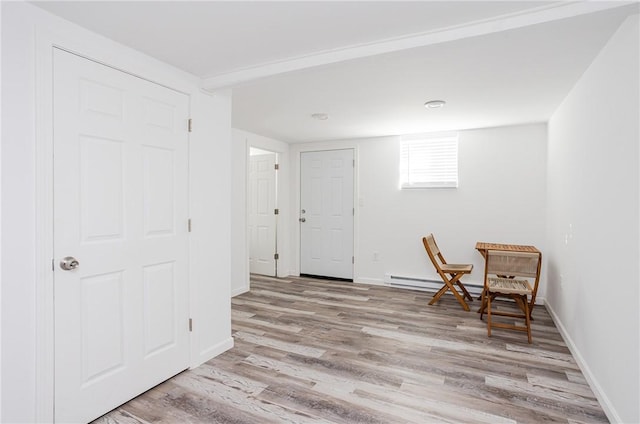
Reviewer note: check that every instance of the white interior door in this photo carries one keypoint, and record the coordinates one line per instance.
(262, 219)
(120, 209)
(326, 213)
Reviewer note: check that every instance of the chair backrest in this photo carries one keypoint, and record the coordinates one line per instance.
(519, 264)
(430, 244)
(434, 253)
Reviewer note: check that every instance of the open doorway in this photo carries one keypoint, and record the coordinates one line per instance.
(262, 212)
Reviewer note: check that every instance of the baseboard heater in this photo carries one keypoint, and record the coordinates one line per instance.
(424, 284)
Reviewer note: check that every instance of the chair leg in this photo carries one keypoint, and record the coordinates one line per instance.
(449, 285)
(484, 303)
(452, 287)
(488, 295)
(462, 287)
(464, 290)
(531, 305)
(484, 308)
(527, 317)
(460, 298)
(439, 293)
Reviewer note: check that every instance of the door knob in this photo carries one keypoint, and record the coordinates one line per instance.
(69, 263)
(303, 219)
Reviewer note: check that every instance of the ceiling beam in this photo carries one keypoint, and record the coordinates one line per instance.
(538, 15)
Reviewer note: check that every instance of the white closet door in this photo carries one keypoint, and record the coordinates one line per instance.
(120, 209)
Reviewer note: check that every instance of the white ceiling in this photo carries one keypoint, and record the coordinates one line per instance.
(209, 38)
(369, 65)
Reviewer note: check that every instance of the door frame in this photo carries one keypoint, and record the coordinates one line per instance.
(283, 182)
(106, 52)
(297, 150)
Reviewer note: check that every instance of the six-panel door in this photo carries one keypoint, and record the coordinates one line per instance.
(326, 213)
(120, 209)
(261, 204)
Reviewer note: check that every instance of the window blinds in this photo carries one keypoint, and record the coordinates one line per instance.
(429, 162)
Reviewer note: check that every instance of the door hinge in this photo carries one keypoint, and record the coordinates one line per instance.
(190, 125)
(276, 211)
(190, 325)
(353, 163)
(353, 260)
(276, 256)
(53, 266)
(189, 224)
(276, 166)
(353, 211)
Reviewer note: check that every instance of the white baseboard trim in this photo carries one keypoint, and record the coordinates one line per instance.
(608, 408)
(372, 281)
(213, 351)
(238, 291)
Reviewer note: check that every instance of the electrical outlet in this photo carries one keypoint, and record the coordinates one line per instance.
(376, 256)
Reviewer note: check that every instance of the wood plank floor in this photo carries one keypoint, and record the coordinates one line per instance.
(318, 351)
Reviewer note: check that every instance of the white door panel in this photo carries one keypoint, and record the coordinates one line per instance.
(326, 234)
(120, 208)
(262, 219)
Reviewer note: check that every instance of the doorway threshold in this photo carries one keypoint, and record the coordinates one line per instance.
(325, 277)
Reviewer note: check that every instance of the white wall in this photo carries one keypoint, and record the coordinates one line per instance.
(18, 219)
(210, 239)
(27, 36)
(593, 217)
(1, 137)
(242, 140)
(238, 207)
(501, 198)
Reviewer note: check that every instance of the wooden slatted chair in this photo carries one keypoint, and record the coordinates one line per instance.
(450, 273)
(509, 274)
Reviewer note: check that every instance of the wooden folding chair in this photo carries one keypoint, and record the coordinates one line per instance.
(508, 274)
(450, 273)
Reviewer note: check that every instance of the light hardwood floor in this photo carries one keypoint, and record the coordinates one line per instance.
(318, 351)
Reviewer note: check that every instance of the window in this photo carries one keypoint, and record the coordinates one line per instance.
(429, 161)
